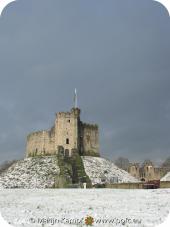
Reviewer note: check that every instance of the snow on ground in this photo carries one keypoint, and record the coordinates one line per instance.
(30, 173)
(166, 177)
(33, 208)
(101, 170)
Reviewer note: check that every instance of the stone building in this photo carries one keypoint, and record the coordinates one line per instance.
(133, 169)
(146, 172)
(69, 134)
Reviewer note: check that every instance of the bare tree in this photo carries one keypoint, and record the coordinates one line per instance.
(5, 165)
(122, 163)
(166, 163)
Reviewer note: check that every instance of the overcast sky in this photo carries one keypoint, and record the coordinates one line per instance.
(115, 52)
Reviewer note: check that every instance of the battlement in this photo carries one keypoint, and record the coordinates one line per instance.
(75, 112)
(134, 164)
(90, 126)
(37, 133)
(63, 114)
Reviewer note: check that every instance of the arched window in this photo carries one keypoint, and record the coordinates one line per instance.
(67, 141)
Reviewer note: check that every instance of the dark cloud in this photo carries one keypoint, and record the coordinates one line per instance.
(115, 52)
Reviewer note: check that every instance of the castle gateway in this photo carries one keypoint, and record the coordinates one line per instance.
(69, 134)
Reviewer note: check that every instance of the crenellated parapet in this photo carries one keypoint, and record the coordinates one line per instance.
(90, 126)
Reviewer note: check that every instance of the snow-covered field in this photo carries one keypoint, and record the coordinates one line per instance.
(33, 208)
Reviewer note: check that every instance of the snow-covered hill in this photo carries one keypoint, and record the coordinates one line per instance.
(101, 170)
(42, 172)
(166, 177)
(39, 172)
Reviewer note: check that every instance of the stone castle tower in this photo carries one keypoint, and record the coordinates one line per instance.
(69, 134)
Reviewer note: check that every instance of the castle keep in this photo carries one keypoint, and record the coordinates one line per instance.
(68, 135)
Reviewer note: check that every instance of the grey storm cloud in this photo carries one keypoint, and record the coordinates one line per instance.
(115, 52)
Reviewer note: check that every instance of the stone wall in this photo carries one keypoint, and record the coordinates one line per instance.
(90, 134)
(125, 185)
(164, 184)
(40, 143)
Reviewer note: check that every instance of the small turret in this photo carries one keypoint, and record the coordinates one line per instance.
(76, 112)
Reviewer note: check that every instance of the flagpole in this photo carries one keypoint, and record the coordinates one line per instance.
(75, 98)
